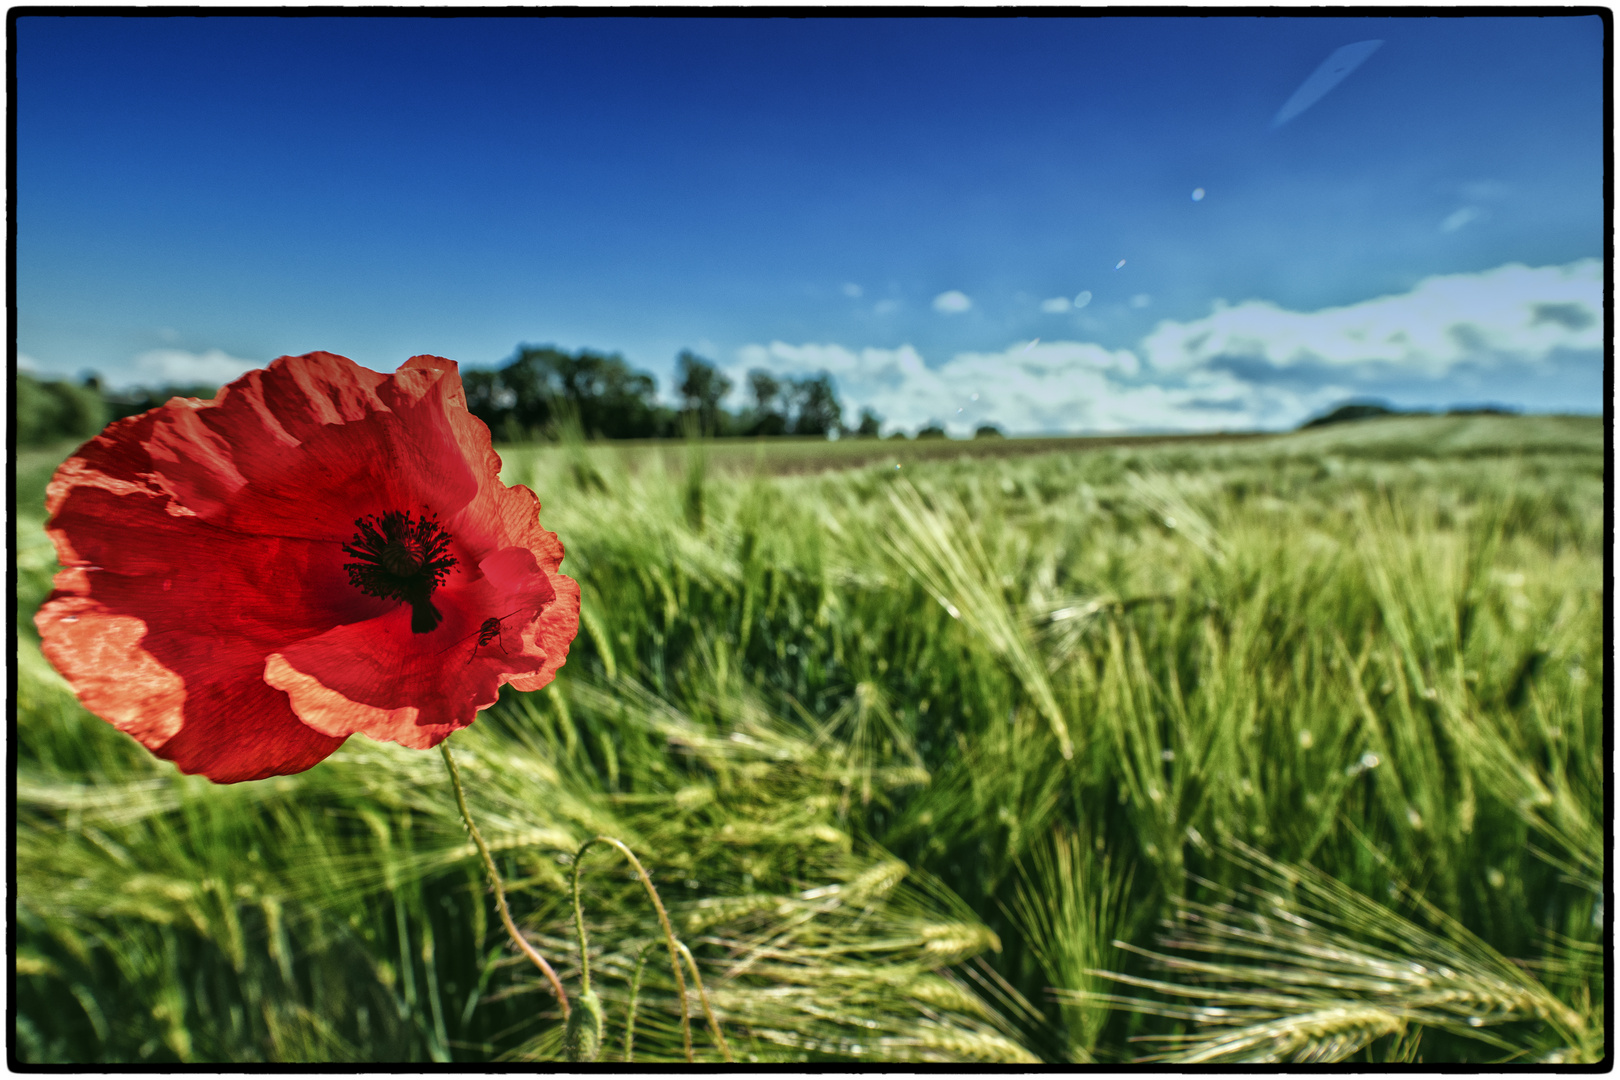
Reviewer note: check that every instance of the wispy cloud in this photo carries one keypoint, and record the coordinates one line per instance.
(1460, 217)
(1247, 365)
(952, 303)
(1031, 387)
(156, 367)
(1332, 71)
(1446, 320)
(1058, 305)
(152, 368)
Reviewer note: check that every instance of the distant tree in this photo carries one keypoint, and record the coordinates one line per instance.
(902, 436)
(56, 409)
(542, 384)
(543, 388)
(932, 431)
(815, 406)
(133, 402)
(871, 425)
(764, 387)
(487, 396)
(988, 431)
(613, 401)
(701, 388)
(769, 418)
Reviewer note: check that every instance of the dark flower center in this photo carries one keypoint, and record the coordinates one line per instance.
(401, 560)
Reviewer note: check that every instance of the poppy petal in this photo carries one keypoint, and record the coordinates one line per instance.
(381, 679)
(208, 603)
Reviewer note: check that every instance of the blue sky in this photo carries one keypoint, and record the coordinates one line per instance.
(914, 204)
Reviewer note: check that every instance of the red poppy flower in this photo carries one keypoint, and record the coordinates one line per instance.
(318, 551)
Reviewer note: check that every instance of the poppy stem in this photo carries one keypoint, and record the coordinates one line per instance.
(703, 996)
(579, 927)
(495, 881)
(675, 947)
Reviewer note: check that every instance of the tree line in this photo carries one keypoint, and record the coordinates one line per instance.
(542, 392)
(49, 410)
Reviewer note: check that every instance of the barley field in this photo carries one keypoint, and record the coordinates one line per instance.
(1277, 749)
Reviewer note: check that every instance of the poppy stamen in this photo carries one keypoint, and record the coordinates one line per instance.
(401, 560)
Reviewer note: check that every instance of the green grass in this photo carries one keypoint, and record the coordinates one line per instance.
(1286, 748)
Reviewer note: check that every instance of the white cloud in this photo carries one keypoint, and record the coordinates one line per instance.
(870, 365)
(153, 368)
(1513, 313)
(1141, 300)
(1056, 306)
(852, 290)
(1083, 298)
(1460, 217)
(1047, 386)
(952, 303)
(156, 367)
(51, 369)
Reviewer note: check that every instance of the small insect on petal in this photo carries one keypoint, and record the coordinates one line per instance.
(487, 631)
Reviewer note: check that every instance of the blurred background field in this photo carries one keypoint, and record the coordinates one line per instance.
(1269, 748)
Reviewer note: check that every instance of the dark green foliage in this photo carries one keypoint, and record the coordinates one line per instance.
(542, 385)
(542, 390)
(135, 401)
(988, 431)
(816, 410)
(932, 431)
(51, 410)
(54, 409)
(804, 406)
(871, 424)
(701, 388)
(769, 416)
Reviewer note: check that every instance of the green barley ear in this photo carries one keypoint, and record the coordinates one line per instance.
(582, 1038)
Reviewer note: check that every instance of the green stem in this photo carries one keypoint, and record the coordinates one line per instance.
(579, 926)
(500, 893)
(703, 996)
(663, 920)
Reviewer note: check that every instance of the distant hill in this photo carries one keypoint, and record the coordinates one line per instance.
(1355, 410)
(1368, 410)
